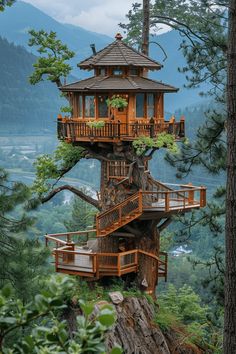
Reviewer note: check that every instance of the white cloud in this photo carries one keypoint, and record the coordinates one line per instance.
(100, 16)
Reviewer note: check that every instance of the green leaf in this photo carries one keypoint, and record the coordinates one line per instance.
(116, 350)
(87, 308)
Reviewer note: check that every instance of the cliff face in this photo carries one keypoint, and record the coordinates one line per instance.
(136, 332)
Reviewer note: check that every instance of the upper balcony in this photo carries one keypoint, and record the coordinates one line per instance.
(80, 130)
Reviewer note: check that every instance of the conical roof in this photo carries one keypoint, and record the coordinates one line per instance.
(119, 53)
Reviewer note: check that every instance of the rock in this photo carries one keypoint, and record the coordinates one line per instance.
(116, 297)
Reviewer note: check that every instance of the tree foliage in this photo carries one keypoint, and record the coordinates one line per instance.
(52, 167)
(48, 333)
(21, 259)
(53, 57)
(4, 3)
(143, 143)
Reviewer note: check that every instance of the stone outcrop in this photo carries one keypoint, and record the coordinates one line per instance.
(136, 332)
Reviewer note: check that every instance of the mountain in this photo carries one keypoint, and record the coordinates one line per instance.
(17, 20)
(24, 109)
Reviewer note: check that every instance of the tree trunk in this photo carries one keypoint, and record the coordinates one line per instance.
(230, 230)
(142, 234)
(146, 25)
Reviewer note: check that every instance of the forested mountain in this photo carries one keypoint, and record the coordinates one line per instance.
(24, 108)
(17, 20)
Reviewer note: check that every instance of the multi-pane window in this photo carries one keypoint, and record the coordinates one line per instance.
(150, 105)
(80, 106)
(117, 72)
(89, 106)
(102, 106)
(145, 105)
(140, 100)
(133, 72)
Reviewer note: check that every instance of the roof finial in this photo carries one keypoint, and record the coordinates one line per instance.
(118, 36)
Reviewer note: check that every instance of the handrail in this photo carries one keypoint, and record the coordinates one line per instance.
(75, 128)
(55, 240)
(133, 196)
(119, 215)
(72, 233)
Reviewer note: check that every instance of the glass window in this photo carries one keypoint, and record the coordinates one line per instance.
(80, 106)
(102, 106)
(89, 104)
(150, 105)
(117, 72)
(102, 72)
(140, 105)
(133, 72)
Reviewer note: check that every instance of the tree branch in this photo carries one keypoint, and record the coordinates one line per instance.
(74, 190)
(164, 224)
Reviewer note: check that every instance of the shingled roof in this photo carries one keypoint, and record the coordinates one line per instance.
(108, 83)
(119, 54)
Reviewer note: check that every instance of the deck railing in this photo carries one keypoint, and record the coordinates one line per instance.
(101, 264)
(74, 130)
(167, 200)
(75, 237)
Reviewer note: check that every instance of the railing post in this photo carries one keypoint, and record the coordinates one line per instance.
(167, 201)
(202, 196)
(140, 201)
(97, 265)
(190, 195)
(136, 259)
(56, 260)
(118, 265)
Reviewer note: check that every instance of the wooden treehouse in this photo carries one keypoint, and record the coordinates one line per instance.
(133, 207)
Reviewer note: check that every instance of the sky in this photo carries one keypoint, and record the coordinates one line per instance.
(100, 16)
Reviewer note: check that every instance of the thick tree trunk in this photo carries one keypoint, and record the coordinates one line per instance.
(230, 230)
(114, 191)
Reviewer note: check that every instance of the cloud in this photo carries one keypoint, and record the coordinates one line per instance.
(100, 16)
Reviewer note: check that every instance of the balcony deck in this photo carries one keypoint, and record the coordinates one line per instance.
(69, 258)
(77, 130)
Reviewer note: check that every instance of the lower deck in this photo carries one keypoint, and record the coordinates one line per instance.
(70, 258)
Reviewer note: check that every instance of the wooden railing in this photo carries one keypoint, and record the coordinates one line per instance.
(167, 200)
(119, 215)
(74, 130)
(75, 237)
(97, 265)
(117, 169)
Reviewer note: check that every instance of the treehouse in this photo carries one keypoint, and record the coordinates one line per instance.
(110, 111)
(119, 102)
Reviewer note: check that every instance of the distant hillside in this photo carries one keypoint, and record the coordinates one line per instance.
(24, 108)
(17, 20)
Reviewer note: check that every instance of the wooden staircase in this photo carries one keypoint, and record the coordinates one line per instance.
(119, 215)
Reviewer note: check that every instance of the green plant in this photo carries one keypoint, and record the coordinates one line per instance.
(117, 101)
(50, 335)
(144, 143)
(96, 124)
(66, 109)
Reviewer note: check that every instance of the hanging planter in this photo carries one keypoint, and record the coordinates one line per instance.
(117, 102)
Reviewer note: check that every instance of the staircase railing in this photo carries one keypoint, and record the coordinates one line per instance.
(119, 215)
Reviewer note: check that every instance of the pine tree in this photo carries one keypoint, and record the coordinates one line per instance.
(22, 260)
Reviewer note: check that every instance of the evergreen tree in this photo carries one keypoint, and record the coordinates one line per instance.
(22, 260)
(208, 28)
(82, 216)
